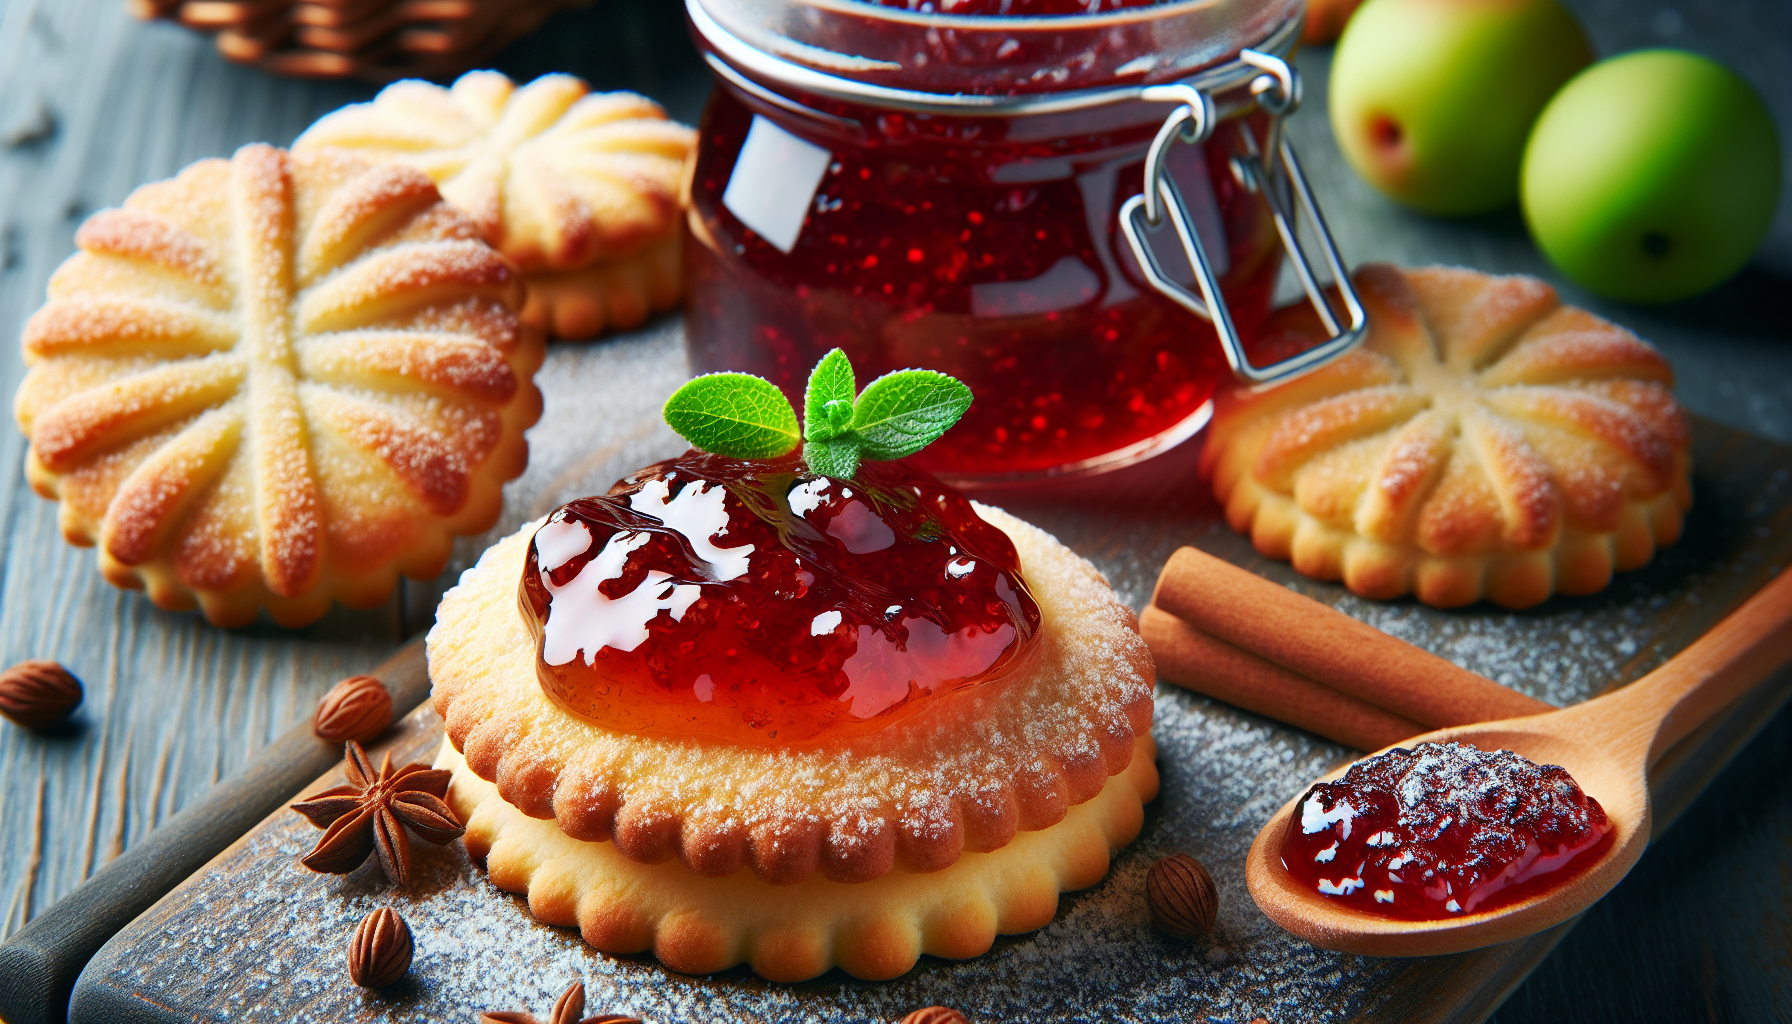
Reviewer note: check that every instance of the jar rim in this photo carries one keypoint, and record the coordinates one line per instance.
(1013, 22)
(746, 65)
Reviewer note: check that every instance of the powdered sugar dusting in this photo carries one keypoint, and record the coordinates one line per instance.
(186, 300)
(1500, 497)
(277, 953)
(131, 233)
(1052, 732)
(89, 324)
(593, 176)
(364, 292)
(1412, 458)
(1526, 489)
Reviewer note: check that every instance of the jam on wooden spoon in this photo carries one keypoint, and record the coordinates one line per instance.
(1607, 745)
(1441, 829)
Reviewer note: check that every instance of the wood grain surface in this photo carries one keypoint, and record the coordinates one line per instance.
(93, 103)
(40, 962)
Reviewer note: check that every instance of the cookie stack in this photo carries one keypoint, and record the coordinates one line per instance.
(374, 39)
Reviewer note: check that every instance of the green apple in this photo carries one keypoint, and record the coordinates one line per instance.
(1431, 100)
(1652, 176)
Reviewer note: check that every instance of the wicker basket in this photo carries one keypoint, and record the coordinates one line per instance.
(380, 40)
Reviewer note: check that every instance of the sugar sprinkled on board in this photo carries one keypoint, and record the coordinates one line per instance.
(276, 953)
(264, 940)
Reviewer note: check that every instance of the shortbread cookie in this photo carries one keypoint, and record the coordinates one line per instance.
(1486, 442)
(581, 190)
(872, 930)
(913, 796)
(916, 718)
(276, 381)
(607, 294)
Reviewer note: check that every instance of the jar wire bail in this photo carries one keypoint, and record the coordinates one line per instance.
(1283, 186)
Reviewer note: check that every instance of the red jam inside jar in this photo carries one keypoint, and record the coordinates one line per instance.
(1441, 830)
(988, 248)
(756, 603)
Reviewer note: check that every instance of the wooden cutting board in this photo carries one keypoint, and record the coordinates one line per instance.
(254, 936)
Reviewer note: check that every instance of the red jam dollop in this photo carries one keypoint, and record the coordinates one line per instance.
(1441, 830)
(757, 603)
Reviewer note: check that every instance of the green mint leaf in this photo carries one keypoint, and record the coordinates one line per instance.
(838, 415)
(903, 412)
(837, 458)
(734, 414)
(827, 404)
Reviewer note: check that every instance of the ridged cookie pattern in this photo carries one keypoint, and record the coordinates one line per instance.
(276, 381)
(875, 930)
(1486, 441)
(1008, 757)
(558, 178)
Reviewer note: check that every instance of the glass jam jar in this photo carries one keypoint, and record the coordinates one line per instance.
(968, 192)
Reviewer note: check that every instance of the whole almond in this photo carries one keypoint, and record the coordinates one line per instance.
(935, 1015)
(358, 708)
(1179, 894)
(380, 952)
(38, 694)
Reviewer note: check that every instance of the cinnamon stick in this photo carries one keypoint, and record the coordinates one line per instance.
(1328, 647)
(1195, 661)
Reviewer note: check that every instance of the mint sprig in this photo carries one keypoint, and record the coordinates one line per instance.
(836, 458)
(747, 417)
(827, 404)
(901, 413)
(734, 414)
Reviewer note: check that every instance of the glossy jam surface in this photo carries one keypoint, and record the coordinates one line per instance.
(1441, 830)
(753, 603)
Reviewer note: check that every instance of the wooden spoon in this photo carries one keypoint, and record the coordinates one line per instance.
(1608, 744)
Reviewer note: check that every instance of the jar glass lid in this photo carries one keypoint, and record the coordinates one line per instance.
(857, 50)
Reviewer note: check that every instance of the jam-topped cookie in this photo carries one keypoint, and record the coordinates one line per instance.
(796, 718)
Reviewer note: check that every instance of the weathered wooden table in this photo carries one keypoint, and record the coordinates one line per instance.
(93, 103)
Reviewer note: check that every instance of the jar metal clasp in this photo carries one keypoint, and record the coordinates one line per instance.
(1282, 185)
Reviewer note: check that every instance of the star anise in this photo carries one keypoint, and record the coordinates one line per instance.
(369, 815)
(567, 1010)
